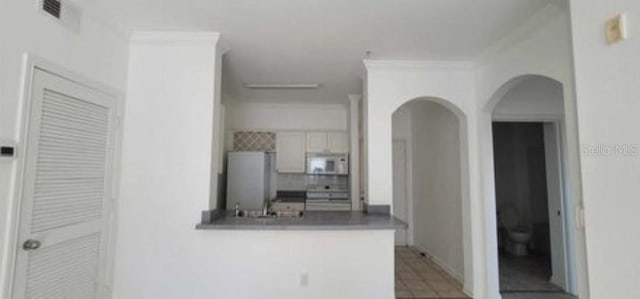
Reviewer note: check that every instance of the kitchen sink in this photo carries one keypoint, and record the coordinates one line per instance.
(289, 214)
(271, 215)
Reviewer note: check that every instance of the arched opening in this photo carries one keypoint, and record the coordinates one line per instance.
(430, 193)
(535, 244)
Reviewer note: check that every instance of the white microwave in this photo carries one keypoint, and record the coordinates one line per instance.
(331, 164)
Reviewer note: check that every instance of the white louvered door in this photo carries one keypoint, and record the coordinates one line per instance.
(66, 189)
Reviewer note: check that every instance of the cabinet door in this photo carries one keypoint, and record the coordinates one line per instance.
(317, 142)
(338, 142)
(290, 152)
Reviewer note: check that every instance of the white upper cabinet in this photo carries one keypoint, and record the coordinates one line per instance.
(317, 142)
(291, 147)
(338, 142)
(327, 142)
(290, 152)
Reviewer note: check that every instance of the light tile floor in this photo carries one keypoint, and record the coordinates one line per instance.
(527, 278)
(418, 277)
(525, 274)
(535, 295)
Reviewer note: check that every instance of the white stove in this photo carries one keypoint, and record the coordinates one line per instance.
(327, 198)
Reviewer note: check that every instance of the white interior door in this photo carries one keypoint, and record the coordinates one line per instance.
(555, 197)
(65, 190)
(400, 189)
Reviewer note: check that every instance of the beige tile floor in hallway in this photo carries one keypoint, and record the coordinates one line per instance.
(418, 277)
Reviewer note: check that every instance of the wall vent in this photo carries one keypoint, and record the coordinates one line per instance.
(68, 13)
(52, 7)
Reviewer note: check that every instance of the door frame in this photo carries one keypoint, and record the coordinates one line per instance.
(407, 186)
(31, 63)
(557, 127)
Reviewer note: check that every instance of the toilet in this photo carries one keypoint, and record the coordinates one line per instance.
(518, 235)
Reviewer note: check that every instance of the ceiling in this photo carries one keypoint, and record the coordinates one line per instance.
(324, 41)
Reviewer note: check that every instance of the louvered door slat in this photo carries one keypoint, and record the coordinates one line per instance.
(83, 117)
(69, 130)
(53, 189)
(70, 219)
(84, 108)
(66, 166)
(66, 185)
(46, 162)
(70, 140)
(77, 130)
(67, 270)
(66, 113)
(71, 148)
(55, 134)
(63, 184)
(65, 200)
(69, 122)
(70, 209)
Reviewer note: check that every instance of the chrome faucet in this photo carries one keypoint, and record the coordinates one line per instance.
(236, 210)
(266, 208)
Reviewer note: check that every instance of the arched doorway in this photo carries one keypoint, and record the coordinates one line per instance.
(532, 200)
(430, 188)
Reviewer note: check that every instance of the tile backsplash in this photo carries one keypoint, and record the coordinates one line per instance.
(300, 181)
(254, 141)
(291, 181)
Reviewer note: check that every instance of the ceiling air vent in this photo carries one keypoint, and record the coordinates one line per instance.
(52, 7)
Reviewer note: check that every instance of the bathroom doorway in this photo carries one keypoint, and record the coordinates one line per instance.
(528, 184)
(532, 174)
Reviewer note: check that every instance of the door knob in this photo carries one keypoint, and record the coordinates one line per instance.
(31, 244)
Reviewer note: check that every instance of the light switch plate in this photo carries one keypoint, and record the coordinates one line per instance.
(615, 29)
(8, 149)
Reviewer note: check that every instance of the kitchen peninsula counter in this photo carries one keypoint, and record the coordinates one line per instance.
(311, 220)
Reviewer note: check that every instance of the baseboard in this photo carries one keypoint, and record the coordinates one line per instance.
(553, 281)
(441, 264)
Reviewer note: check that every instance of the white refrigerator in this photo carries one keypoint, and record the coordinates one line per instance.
(248, 180)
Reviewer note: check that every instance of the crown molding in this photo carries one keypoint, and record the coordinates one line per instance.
(417, 64)
(354, 97)
(175, 37)
(287, 105)
(545, 15)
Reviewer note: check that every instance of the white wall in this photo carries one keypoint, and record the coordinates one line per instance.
(402, 130)
(286, 116)
(541, 46)
(431, 133)
(437, 202)
(389, 85)
(608, 91)
(98, 51)
(165, 185)
(535, 97)
(256, 264)
(167, 137)
(401, 123)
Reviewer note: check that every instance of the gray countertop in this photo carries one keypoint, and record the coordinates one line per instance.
(289, 199)
(312, 220)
